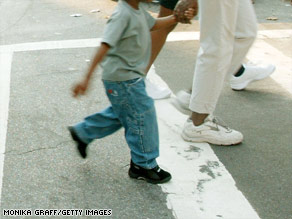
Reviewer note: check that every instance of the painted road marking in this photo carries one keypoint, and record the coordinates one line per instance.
(5, 69)
(48, 45)
(283, 73)
(201, 187)
(198, 175)
(93, 42)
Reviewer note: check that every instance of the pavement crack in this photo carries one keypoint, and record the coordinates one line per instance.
(35, 150)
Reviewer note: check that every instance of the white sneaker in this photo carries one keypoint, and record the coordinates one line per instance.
(250, 74)
(155, 91)
(211, 132)
(182, 101)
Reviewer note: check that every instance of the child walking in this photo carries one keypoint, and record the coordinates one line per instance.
(124, 55)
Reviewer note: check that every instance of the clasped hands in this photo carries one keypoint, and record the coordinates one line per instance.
(185, 10)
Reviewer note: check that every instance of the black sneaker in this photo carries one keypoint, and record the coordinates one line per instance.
(154, 176)
(81, 146)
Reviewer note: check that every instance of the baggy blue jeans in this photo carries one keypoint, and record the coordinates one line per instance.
(132, 109)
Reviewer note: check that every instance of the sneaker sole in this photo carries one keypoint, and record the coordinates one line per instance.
(244, 85)
(180, 107)
(138, 177)
(211, 141)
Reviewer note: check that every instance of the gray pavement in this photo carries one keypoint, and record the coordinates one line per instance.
(42, 169)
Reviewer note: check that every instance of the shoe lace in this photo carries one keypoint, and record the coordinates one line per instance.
(219, 122)
(157, 169)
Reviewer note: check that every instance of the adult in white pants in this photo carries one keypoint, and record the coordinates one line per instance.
(228, 28)
(239, 79)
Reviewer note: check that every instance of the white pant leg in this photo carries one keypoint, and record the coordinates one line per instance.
(217, 34)
(245, 34)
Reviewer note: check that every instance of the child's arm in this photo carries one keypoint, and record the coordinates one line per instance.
(81, 87)
(164, 22)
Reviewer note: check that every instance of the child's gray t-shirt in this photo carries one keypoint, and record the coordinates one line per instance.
(128, 34)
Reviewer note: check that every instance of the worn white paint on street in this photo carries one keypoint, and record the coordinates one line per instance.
(263, 34)
(283, 73)
(201, 186)
(275, 34)
(5, 68)
(93, 42)
(46, 45)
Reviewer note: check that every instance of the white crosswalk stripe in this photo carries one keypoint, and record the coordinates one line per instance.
(5, 68)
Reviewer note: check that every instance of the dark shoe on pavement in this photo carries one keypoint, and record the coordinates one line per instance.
(154, 175)
(81, 146)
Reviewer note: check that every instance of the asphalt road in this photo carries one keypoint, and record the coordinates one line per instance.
(41, 168)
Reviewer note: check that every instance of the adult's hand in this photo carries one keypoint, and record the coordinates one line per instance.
(182, 6)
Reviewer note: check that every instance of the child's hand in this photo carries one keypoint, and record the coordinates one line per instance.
(80, 88)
